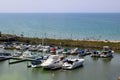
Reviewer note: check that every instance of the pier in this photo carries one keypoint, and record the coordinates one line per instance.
(19, 60)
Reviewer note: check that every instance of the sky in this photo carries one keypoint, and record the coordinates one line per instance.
(59, 6)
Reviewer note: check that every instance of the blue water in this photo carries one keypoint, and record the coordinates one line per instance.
(63, 25)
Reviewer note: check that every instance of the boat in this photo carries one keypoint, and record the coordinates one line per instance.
(17, 53)
(33, 48)
(53, 62)
(52, 50)
(28, 54)
(87, 51)
(95, 54)
(106, 52)
(58, 51)
(46, 49)
(84, 52)
(37, 62)
(5, 56)
(74, 51)
(72, 63)
(66, 51)
(81, 53)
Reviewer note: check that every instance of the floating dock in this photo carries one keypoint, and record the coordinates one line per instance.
(20, 60)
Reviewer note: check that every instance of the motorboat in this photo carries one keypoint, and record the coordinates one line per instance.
(52, 50)
(81, 52)
(17, 53)
(106, 52)
(95, 54)
(28, 54)
(33, 48)
(37, 62)
(87, 51)
(44, 49)
(53, 62)
(72, 63)
(74, 51)
(4, 56)
(66, 51)
(58, 51)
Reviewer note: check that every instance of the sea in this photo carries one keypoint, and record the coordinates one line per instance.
(90, 26)
(93, 26)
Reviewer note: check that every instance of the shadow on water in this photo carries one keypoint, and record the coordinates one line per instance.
(47, 69)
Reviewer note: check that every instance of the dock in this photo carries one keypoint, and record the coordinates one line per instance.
(20, 60)
(3, 59)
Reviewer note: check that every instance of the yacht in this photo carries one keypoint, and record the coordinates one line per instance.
(72, 63)
(53, 62)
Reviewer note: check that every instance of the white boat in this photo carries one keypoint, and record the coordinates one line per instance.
(28, 54)
(106, 52)
(58, 51)
(4, 56)
(46, 50)
(95, 54)
(72, 63)
(53, 62)
(87, 51)
(74, 51)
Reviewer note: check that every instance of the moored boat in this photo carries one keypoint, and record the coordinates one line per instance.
(4, 56)
(72, 63)
(95, 54)
(106, 52)
(37, 62)
(53, 62)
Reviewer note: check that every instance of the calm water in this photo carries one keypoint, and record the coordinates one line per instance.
(62, 25)
(93, 69)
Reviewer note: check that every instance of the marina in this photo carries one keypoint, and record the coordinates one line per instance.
(103, 68)
(98, 66)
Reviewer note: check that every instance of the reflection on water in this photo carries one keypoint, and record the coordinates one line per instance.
(106, 60)
(93, 69)
(95, 58)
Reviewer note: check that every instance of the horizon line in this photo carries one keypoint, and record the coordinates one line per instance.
(59, 12)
